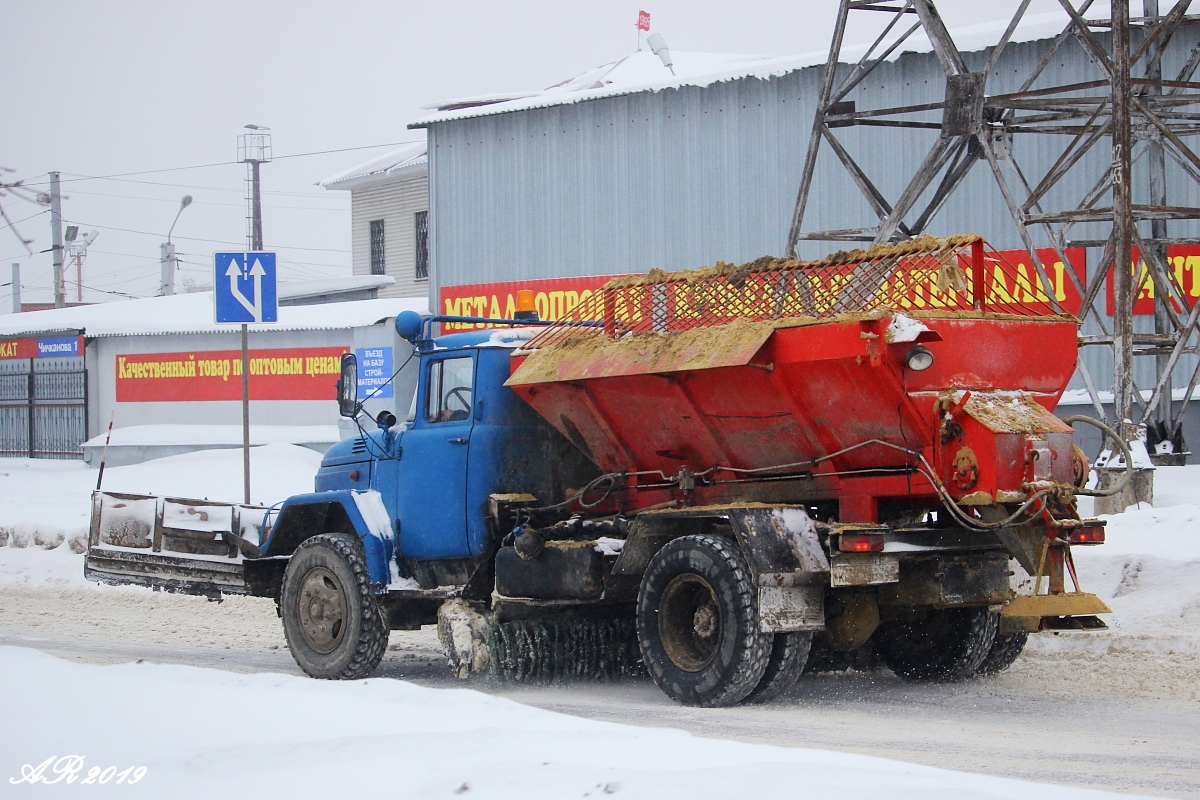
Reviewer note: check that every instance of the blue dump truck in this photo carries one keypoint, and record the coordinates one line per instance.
(514, 509)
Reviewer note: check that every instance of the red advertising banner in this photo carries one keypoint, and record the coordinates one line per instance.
(1008, 282)
(1184, 262)
(19, 348)
(282, 374)
(552, 298)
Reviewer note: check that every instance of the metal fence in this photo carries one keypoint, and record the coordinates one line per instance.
(43, 407)
(928, 274)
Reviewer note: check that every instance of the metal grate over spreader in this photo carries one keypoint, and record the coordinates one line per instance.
(927, 274)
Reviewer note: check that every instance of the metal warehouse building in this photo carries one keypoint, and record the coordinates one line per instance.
(626, 169)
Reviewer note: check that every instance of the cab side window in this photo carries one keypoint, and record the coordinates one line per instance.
(450, 383)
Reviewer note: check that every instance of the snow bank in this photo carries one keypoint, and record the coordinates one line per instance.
(1147, 571)
(215, 435)
(203, 733)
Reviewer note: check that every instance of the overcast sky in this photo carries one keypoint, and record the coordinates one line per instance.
(104, 89)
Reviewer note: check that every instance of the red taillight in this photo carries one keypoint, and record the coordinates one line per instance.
(1093, 534)
(861, 543)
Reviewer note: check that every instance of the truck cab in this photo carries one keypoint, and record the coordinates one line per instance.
(466, 438)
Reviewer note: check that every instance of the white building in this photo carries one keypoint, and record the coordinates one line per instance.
(389, 212)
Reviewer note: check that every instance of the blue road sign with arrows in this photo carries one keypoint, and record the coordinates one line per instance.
(244, 287)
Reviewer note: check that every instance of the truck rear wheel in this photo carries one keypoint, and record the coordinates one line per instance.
(789, 655)
(948, 645)
(697, 620)
(331, 620)
(1004, 651)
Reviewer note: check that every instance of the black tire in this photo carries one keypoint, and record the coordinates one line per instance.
(1004, 651)
(331, 620)
(789, 655)
(948, 645)
(697, 621)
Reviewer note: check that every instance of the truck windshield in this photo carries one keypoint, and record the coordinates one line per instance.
(450, 383)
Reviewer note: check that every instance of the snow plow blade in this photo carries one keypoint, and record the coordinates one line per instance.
(173, 544)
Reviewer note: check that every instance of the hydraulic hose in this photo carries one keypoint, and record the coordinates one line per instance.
(1124, 447)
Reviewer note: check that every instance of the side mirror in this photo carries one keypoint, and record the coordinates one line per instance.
(347, 386)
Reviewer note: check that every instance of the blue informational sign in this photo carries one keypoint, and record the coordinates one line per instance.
(374, 370)
(244, 287)
(58, 346)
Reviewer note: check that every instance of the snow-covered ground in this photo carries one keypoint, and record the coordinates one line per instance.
(201, 731)
(204, 733)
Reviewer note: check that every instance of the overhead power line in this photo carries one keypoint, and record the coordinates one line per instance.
(217, 164)
(211, 241)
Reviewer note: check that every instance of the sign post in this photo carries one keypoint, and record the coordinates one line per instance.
(244, 291)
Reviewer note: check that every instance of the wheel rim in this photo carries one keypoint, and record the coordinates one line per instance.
(689, 622)
(322, 607)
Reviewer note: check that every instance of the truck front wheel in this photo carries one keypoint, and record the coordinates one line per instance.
(697, 620)
(331, 620)
(949, 644)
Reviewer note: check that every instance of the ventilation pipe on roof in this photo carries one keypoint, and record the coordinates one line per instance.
(658, 46)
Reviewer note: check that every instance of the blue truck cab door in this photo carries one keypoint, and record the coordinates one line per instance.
(432, 490)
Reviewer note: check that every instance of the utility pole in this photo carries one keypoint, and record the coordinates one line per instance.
(168, 262)
(16, 288)
(254, 149)
(56, 241)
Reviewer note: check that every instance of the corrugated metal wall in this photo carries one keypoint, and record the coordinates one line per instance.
(394, 202)
(682, 178)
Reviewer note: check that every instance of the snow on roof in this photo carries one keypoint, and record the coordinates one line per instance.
(193, 313)
(643, 72)
(408, 158)
(291, 290)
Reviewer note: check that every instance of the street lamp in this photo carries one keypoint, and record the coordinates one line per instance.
(166, 251)
(184, 203)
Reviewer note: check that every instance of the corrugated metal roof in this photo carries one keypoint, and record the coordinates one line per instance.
(643, 72)
(408, 158)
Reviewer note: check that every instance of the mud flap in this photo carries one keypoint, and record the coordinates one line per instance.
(790, 567)
(783, 609)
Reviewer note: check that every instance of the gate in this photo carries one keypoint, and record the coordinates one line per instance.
(43, 407)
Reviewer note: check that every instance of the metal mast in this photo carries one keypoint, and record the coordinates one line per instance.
(1127, 104)
(254, 150)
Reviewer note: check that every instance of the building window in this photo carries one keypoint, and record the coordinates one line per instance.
(377, 260)
(421, 237)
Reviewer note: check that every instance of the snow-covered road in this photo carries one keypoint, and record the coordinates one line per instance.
(1118, 710)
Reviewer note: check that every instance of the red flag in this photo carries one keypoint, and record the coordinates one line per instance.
(643, 21)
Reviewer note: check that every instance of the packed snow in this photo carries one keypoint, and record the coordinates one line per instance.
(199, 732)
(1148, 572)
